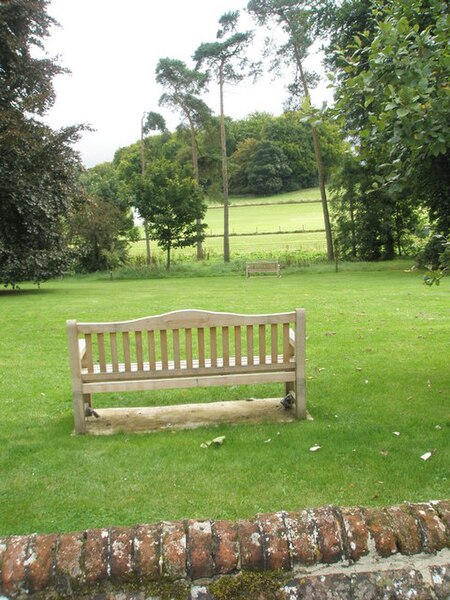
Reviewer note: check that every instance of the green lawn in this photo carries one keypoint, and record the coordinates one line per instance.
(378, 349)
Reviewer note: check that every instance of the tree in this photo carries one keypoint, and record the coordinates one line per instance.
(150, 121)
(392, 97)
(183, 87)
(297, 19)
(226, 60)
(172, 204)
(101, 224)
(268, 169)
(39, 170)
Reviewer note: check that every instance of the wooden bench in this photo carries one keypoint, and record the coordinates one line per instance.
(263, 266)
(187, 348)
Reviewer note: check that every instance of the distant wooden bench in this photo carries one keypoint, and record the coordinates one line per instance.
(183, 349)
(263, 266)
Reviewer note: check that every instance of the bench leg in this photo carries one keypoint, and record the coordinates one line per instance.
(88, 399)
(79, 412)
(289, 387)
(300, 399)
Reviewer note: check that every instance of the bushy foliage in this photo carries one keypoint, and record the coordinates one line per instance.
(172, 204)
(38, 168)
(101, 222)
(392, 98)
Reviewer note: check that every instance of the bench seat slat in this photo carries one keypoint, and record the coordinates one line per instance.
(188, 382)
(196, 370)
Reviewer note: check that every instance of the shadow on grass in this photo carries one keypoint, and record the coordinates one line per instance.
(28, 292)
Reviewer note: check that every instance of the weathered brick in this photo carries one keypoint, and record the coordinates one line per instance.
(432, 528)
(40, 568)
(406, 530)
(226, 547)
(329, 532)
(13, 568)
(380, 528)
(251, 545)
(121, 553)
(174, 549)
(442, 507)
(147, 551)
(200, 548)
(96, 555)
(440, 577)
(3, 546)
(68, 565)
(318, 587)
(302, 536)
(399, 583)
(275, 541)
(356, 532)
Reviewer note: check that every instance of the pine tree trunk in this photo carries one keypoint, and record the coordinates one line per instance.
(319, 165)
(323, 193)
(197, 178)
(223, 142)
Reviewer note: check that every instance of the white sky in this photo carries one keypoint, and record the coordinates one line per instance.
(112, 48)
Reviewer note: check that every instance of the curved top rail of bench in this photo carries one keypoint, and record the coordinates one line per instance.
(183, 319)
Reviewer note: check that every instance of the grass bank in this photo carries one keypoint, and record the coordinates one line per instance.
(294, 211)
(378, 350)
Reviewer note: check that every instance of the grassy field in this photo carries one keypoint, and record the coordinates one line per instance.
(378, 350)
(305, 195)
(267, 218)
(272, 214)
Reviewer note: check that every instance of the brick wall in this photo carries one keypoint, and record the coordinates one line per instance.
(403, 548)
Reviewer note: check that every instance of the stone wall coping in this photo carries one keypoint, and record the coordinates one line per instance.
(317, 542)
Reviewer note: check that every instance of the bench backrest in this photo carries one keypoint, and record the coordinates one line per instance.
(184, 342)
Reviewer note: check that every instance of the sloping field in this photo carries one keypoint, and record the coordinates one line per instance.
(294, 221)
(267, 218)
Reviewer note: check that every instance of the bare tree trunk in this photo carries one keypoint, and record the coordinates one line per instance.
(197, 178)
(223, 142)
(323, 193)
(147, 244)
(168, 258)
(147, 237)
(319, 165)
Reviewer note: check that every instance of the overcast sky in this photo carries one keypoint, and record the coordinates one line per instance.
(112, 47)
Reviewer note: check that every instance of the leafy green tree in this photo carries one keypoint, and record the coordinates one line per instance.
(101, 224)
(183, 86)
(172, 204)
(239, 164)
(268, 169)
(392, 96)
(38, 168)
(293, 138)
(226, 60)
(150, 121)
(370, 224)
(298, 20)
